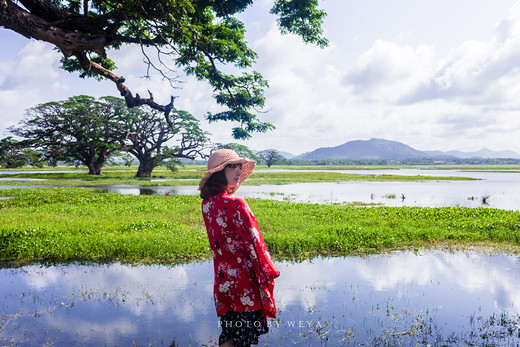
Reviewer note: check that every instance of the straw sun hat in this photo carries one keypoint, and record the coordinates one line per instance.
(218, 161)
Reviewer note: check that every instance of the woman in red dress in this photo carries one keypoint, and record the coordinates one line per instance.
(244, 270)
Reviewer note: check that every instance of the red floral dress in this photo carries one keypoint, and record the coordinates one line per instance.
(244, 270)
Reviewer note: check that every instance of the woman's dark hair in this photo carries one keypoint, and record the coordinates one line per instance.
(215, 184)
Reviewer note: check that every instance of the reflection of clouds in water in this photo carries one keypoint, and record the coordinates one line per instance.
(115, 302)
(384, 272)
(39, 278)
(470, 273)
(89, 332)
(132, 286)
(108, 302)
(303, 283)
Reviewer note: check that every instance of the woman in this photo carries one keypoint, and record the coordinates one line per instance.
(244, 270)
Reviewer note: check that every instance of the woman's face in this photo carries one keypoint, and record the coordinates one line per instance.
(232, 172)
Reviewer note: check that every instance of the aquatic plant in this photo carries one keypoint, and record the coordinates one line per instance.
(80, 224)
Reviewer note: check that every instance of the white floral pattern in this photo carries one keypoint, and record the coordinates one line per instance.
(244, 270)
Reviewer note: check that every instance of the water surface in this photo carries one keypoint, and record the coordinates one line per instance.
(402, 298)
(501, 189)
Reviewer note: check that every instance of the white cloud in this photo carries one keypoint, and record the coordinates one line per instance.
(32, 65)
(509, 26)
(388, 71)
(433, 77)
(21, 80)
(479, 72)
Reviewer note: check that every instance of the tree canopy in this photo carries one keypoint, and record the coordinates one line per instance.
(14, 153)
(147, 134)
(270, 157)
(198, 36)
(79, 130)
(86, 130)
(241, 150)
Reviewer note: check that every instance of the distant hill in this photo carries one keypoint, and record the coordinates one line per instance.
(393, 150)
(369, 149)
(483, 153)
(287, 155)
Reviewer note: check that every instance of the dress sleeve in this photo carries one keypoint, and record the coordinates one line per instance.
(264, 267)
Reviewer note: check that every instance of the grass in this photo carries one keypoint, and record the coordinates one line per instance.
(84, 224)
(64, 224)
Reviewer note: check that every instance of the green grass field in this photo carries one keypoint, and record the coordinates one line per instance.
(84, 224)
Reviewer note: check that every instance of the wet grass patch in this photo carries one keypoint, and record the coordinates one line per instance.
(84, 224)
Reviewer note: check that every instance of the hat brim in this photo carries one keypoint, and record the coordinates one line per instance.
(248, 165)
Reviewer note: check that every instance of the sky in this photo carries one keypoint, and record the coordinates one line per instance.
(435, 75)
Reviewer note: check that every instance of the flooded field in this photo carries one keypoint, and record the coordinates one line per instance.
(431, 297)
(406, 298)
(492, 189)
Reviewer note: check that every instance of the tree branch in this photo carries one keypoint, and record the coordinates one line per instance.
(17, 19)
(131, 101)
(45, 9)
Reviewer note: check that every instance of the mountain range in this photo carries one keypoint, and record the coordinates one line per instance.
(393, 150)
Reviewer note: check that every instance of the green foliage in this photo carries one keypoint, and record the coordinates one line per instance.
(200, 37)
(14, 154)
(270, 157)
(148, 131)
(78, 224)
(301, 17)
(241, 150)
(88, 131)
(77, 130)
(173, 165)
(71, 224)
(312, 228)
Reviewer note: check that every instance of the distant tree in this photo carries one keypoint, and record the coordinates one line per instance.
(145, 133)
(127, 158)
(78, 130)
(270, 157)
(241, 150)
(200, 37)
(88, 131)
(14, 153)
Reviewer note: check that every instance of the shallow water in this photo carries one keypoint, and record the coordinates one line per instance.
(402, 298)
(501, 188)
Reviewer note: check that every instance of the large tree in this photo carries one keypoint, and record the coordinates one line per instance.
(145, 134)
(270, 157)
(14, 153)
(199, 36)
(80, 129)
(88, 131)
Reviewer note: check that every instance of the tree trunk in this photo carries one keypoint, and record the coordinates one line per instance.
(94, 170)
(95, 166)
(146, 166)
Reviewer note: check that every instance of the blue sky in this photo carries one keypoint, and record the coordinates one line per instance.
(432, 74)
